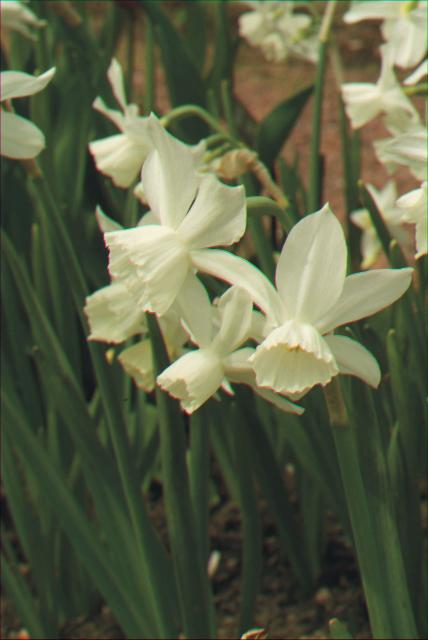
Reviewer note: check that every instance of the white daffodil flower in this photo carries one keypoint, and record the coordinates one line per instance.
(278, 31)
(17, 17)
(315, 297)
(157, 262)
(404, 27)
(121, 156)
(414, 208)
(219, 332)
(409, 149)
(385, 200)
(364, 100)
(20, 138)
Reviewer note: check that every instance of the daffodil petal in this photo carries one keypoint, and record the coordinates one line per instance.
(217, 217)
(312, 266)
(354, 359)
(237, 271)
(20, 138)
(115, 76)
(236, 316)
(195, 309)
(113, 315)
(16, 84)
(118, 157)
(365, 294)
(112, 114)
(169, 177)
(105, 223)
(137, 361)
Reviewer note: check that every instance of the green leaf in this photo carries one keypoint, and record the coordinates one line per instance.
(18, 591)
(191, 575)
(185, 84)
(77, 528)
(275, 128)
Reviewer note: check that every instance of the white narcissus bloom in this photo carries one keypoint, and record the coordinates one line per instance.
(157, 262)
(385, 200)
(404, 26)
(316, 297)
(121, 156)
(278, 31)
(364, 100)
(414, 208)
(20, 138)
(17, 17)
(219, 332)
(409, 149)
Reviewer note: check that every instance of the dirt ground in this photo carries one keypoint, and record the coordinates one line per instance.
(280, 609)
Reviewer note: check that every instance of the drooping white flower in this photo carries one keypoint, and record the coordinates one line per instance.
(121, 156)
(157, 262)
(409, 149)
(20, 138)
(414, 208)
(17, 17)
(364, 100)
(316, 297)
(385, 200)
(278, 31)
(219, 332)
(404, 26)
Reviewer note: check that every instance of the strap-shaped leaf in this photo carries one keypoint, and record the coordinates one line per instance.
(275, 128)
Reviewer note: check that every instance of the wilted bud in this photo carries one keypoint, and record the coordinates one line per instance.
(234, 163)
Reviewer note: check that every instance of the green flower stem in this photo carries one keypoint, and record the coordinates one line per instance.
(199, 465)
(252, 558)
(315, 161)
(372, 518)
(191, 573)
(261, 206)
(269, 476)
(52, 220)
(189, 110)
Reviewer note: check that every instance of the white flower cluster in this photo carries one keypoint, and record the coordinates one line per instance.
(283, 348)
(404, 29)
(20, 138)
(279, 31)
